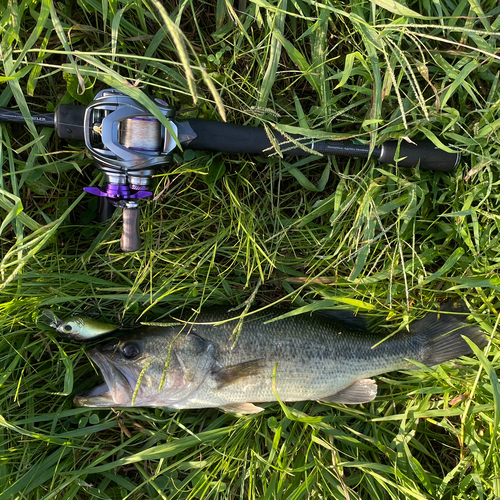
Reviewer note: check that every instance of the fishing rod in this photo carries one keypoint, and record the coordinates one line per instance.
(129, 145)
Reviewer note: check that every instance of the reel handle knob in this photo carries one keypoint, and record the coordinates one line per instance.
(131, 236)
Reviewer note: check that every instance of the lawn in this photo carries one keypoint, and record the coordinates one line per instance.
(389, 242)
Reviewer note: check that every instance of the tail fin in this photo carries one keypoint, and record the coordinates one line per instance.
(441, 334)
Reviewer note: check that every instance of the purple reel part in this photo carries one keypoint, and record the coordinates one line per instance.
(118, 192)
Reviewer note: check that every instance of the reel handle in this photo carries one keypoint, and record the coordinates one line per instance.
(131, 236)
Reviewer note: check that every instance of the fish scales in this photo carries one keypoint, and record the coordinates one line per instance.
(315, 357)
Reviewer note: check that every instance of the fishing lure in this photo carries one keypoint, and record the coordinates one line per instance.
(79, 328)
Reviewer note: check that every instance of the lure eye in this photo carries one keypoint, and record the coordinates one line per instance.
(67, 328)
(131, 351)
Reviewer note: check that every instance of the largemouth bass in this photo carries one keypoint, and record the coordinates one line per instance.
(309, 357)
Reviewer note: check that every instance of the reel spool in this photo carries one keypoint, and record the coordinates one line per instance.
(140, 134)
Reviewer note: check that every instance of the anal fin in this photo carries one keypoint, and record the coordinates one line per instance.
(242, 408)
(362, 391)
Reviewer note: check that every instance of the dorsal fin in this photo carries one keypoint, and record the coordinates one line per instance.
(348, 317)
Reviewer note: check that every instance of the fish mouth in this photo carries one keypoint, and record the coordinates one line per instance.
(117, 389)
(98, 397)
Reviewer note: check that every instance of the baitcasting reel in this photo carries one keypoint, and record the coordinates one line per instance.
(129, 145)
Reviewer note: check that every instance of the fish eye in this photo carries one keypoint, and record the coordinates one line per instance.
(67, 328)
(131, 351)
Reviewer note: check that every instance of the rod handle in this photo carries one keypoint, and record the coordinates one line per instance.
(230, 138)
(105, 209)
(424, 153)
(68, 120)
(131, 236)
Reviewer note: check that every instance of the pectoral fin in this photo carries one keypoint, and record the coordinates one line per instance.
(231, 374)
(362, 391)
(242, 408)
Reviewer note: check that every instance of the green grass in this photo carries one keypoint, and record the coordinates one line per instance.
(393, 243)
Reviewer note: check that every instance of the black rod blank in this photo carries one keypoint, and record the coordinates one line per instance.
(39, 119)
